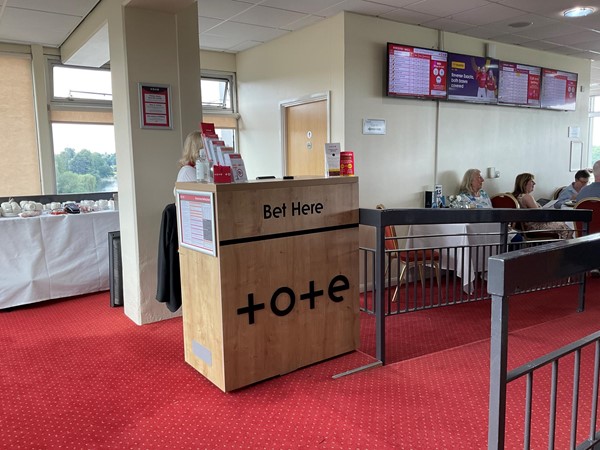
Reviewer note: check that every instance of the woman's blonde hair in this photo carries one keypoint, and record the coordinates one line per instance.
(520, 182)
(191, 147)
(466, 183)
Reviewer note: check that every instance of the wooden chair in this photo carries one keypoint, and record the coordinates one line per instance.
(505, 200)
(592, 203)
(408, 258)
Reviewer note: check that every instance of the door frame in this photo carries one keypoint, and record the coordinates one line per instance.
(283, 105)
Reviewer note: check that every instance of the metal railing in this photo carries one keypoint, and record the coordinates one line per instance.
(512, 273)
(423, 289)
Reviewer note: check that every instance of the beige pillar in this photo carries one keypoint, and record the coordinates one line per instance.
(160, 48)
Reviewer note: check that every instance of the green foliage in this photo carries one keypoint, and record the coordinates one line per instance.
(84, 171)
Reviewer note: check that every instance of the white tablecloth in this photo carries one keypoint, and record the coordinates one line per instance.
(466, 262)
(48, 256)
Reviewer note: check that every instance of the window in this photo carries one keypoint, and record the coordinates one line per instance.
(219, 105)
(18, 146)
(594, 153)
(218, 92)
(76, 83)
(84, 158)
(82, 130)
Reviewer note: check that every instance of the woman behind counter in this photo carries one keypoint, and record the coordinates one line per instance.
(524, 185)
(471, 187)
(187, 163)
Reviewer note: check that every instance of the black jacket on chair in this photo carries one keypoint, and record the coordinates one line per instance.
(168, 286)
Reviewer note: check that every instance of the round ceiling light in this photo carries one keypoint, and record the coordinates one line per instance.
(581, 11)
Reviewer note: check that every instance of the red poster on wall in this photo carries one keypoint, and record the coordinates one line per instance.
(155, 106)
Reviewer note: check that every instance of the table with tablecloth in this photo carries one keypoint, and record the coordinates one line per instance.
(474, 243)
(54, 256)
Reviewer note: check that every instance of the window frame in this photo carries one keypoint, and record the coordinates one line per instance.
(231, 81)
(74, 111)
(67, 103)
(592, 114)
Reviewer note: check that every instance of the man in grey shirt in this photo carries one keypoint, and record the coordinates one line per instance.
(591, 190)
(570, 192)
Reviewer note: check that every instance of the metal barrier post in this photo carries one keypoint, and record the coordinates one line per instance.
(498, 366)
(379, 294)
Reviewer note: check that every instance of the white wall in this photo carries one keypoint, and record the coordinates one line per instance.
(513, 140)
(222, 61)
(346, 55)
(299, 64)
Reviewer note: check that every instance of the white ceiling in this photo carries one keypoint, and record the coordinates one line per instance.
(236, 25)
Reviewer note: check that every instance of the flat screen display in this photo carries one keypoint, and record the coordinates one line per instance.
(416, 72)
(559, 90)
(472, 78)
(519, 84)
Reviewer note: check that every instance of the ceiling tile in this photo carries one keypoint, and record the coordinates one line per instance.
(576, 38)
(453, 26)
(510, 39)
(244, 46)
(565, 50)
(591, 22)
(357, 6)
(20, 25)
(542, 6)
(445, 8)
(303, 22)
(221, 9)
(546, 31)
(211, 41)
(589, 55)
(244, 31)
(540, 45)
(503, 26)
(407, 16)
(479, 32)
(79, 8)
(268, 17)
(592, 45)
(304, 6)
(395, 3)
(206, 23)
(487, 14)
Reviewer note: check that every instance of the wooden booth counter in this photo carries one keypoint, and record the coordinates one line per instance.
(269, 274)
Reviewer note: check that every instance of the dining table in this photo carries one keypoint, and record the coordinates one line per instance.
(54, 256)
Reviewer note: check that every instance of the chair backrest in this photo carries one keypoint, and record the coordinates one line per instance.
(592, 203)
(391, 243)
(505, 200)
(557, 192)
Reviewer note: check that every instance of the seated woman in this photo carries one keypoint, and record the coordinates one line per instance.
(524, 185)
(471, 188)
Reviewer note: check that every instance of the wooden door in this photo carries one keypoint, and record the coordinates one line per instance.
(306, 135)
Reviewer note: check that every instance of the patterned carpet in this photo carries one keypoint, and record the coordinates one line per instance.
(78, 374)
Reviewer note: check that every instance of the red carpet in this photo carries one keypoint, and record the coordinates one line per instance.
(78, 374)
